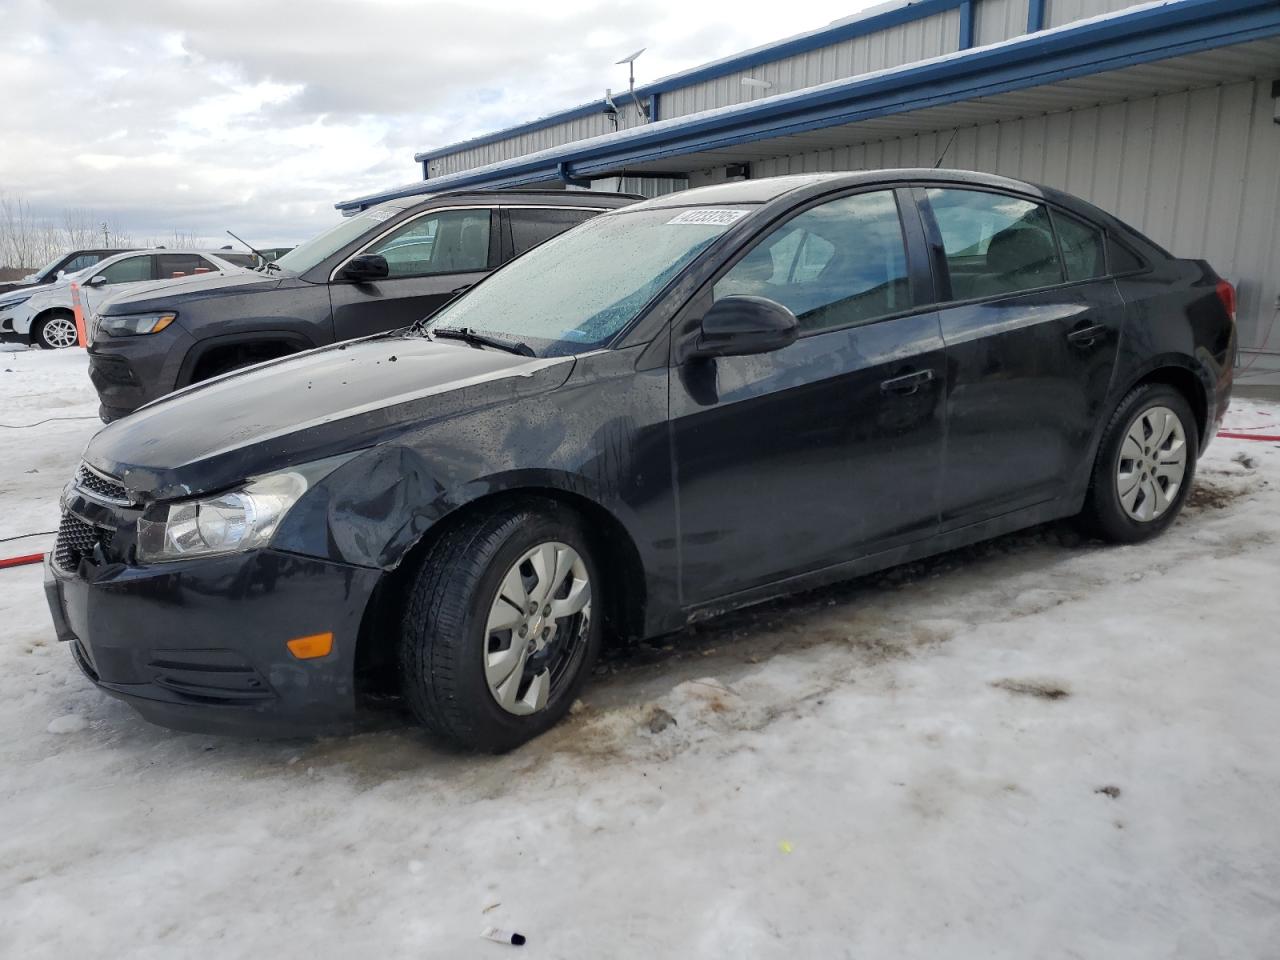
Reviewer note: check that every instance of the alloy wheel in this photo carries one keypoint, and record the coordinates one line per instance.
(537, 628)
(1153, 464)
(59, 332)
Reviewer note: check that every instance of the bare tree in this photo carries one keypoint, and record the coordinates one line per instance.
(28, 241)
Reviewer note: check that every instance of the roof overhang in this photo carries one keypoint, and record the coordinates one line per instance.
(1137, 52)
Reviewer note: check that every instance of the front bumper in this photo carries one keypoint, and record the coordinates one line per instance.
(199, 644)
(15, 324)
(128, 372)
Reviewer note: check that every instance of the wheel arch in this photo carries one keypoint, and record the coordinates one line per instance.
(1183, 374)
(624, 612)
(205, 350)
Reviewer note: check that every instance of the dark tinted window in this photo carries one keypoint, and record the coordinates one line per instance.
(1122, 259)
(1082, 247)
(995, 244)
(530, 227)
(453, 241)
(82, 261)
(128, 270)
(840, 263)
(181, 265)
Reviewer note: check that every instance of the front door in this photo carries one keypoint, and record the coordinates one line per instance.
(830, 448)
(430, 257)
(1031, 330)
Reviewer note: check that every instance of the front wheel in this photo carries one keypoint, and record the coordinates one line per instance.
(1145, 466)
(56, 331)
(498, 633)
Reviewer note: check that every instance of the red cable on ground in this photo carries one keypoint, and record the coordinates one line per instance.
(20, 561)
(1274, 438)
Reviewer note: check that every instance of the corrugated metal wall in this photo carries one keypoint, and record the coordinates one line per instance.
(1199, 172)
(899, 45)
(996, 20)
(1058, 12)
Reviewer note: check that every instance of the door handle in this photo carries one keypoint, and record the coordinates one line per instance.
(1087, 336)
(907, 384)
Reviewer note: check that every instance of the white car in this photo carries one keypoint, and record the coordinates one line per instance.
(45, 316)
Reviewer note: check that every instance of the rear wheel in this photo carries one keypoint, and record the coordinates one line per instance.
(1145, 466)
(55, 331)
(498, 634)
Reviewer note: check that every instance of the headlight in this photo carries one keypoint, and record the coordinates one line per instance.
(10, 304)
(135, 324)
(238, 520)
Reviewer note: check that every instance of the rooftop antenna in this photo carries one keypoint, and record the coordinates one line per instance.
(631, 65)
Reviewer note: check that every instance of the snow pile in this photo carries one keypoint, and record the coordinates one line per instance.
(1036, 747)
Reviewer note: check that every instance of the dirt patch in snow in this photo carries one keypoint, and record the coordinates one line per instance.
(1044, 689)
(1206, 494)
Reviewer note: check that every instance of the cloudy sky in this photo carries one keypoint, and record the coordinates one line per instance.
(259, 114)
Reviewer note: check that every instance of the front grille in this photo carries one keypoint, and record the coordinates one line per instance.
(76, 539)
(100, 486)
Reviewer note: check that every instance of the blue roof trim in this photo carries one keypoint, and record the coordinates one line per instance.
(1144, 35)
(803, 43)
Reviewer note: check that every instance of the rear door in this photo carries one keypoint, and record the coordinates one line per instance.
(830, 448)
(430, 256)
(1031, 324)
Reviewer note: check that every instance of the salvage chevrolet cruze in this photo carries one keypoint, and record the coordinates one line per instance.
(677, 408)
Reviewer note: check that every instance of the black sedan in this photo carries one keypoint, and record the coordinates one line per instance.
(678, 408)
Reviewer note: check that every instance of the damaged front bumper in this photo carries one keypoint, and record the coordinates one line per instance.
(199, 644)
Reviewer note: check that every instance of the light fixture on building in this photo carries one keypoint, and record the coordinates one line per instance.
(630, 61)
(610, 108)
(755, 84)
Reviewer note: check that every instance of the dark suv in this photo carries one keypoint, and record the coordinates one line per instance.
(675, 409)
(379, 270)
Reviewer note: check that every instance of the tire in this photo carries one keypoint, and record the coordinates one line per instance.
(1122, 488)
(451, 662)
(55, 331)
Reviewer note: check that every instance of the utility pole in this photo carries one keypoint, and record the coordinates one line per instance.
(106, 236)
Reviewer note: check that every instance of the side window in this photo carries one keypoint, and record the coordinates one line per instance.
(529, 227)
(454, 241)
(994, 244)
(837, 264)
(170, 265)
(1082, 250)
(80, 262)
(128, 270)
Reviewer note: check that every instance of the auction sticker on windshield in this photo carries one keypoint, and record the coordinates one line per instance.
(709, 215)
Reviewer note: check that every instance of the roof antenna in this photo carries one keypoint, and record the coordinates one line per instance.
(954, 134)
(631, 64)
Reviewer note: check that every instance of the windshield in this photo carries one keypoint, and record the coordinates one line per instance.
(305, 256)
(577, 291)
(48, 268)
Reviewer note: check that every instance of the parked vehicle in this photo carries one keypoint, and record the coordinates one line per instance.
(382, 269)
(678, 408)
(46, 316)
(64, 265)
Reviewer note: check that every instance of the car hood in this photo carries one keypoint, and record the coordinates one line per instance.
(167, 293)
(313, 405)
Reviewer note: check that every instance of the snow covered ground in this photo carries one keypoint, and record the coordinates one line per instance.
(1035, 748)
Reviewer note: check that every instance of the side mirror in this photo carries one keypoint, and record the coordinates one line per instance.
(742, 325)
(97, 281)
(362, 269)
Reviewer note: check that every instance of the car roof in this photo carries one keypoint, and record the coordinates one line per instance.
(771, 188)
(531, 196)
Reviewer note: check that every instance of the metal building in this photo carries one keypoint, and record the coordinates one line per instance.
(1166, 114)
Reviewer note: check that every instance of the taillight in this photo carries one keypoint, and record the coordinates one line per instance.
(1227, 294)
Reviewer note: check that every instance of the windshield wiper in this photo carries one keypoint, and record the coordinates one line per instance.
(467, 335)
